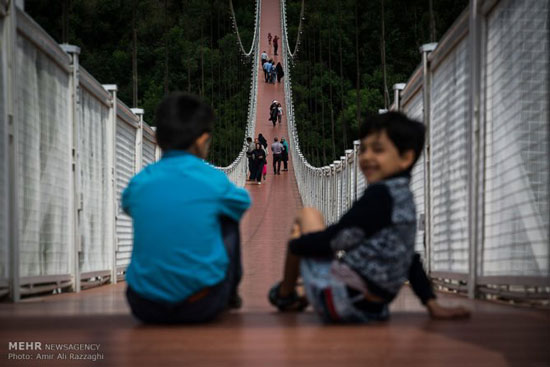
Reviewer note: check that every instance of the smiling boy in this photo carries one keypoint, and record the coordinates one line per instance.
(354, 268)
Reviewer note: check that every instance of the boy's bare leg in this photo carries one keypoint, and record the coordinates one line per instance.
(308, 220)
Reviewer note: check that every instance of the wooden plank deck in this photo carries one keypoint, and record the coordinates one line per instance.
(257, 335)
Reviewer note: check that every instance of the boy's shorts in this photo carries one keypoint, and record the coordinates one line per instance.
(333, 300)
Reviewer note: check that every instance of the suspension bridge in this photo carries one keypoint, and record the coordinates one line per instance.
(69, 146)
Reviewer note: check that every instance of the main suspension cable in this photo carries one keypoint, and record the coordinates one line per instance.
(292, 54)
(256, 28)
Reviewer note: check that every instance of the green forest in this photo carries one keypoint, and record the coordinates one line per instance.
(350, 52)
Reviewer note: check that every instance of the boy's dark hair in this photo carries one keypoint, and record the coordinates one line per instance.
(404, 133)
(249, 139)
(181, 118)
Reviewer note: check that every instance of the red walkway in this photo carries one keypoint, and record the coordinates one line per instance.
(497, 335)
(267, 224)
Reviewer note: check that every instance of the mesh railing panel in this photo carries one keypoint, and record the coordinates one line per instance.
(319, 187)
(149, 148)
(516, 182)
(414, 110)
(44, 151)
(95, 219)
(237, 171)
(449, 175)
(125, 166)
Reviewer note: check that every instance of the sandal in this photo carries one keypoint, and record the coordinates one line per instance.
(293, 302)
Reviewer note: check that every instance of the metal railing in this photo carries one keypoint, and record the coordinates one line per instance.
(237, 170)
(481, 186)
(331, 189)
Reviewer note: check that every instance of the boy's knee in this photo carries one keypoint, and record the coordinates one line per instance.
(310, 220)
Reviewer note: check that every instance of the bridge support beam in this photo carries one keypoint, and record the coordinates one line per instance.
(426, 85)
(9, 64)
(111, 156)
(74, 52)
(473, 155)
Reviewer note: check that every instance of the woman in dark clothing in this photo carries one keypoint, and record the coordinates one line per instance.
(274, 115)
(275, 44)
(280, 72)
(259, 161)
(262, 140)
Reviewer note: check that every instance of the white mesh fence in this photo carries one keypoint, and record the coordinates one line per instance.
(324, 188)
(45, 142)
(125, 153)
(516, 179)
(513, 155)
(414, 110)
(95, 221)
(237, 171)
(449, 176)
(149, 146)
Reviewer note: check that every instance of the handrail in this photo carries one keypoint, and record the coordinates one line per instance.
(237, 170)
(256, 29)
(331, 188)
(283, 25)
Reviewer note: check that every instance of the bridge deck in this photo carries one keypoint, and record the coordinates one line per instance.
(496, 335)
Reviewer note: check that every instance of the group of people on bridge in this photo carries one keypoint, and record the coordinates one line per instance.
(257, 153)
(272, 72)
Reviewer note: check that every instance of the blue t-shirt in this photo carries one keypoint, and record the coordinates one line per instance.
(175, 205)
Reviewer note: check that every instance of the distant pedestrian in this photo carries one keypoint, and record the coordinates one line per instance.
(285, 153)
(274, 112)
(269, 38)
(277, 149)
(275, 44)
(273, 74)
(267, 70)
(262, 140)
(259, 162)
(264, 58)
(250, 148)
(280, 72)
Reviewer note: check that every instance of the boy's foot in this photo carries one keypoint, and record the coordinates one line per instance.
(292, 302)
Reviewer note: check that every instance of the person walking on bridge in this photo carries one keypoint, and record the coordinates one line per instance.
(280, 72)
(277, 149)
(250, 148)
(275, 44)
(259, 162)
(267, 66)
(285, 153)
(263, 58)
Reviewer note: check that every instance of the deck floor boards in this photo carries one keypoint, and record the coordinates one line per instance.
(256, 335)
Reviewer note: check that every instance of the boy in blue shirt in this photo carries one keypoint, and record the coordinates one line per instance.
(354, 268)
(185, 264)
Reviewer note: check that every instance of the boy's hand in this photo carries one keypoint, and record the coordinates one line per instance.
(439, 312)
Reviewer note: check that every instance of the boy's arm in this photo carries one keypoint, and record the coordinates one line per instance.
(420, 283)
(422, 287)
(370, 213)
(234, 201)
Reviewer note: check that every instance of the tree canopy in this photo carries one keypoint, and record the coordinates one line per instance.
(190, 45)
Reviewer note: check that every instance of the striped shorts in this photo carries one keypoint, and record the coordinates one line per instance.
(332, 299)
